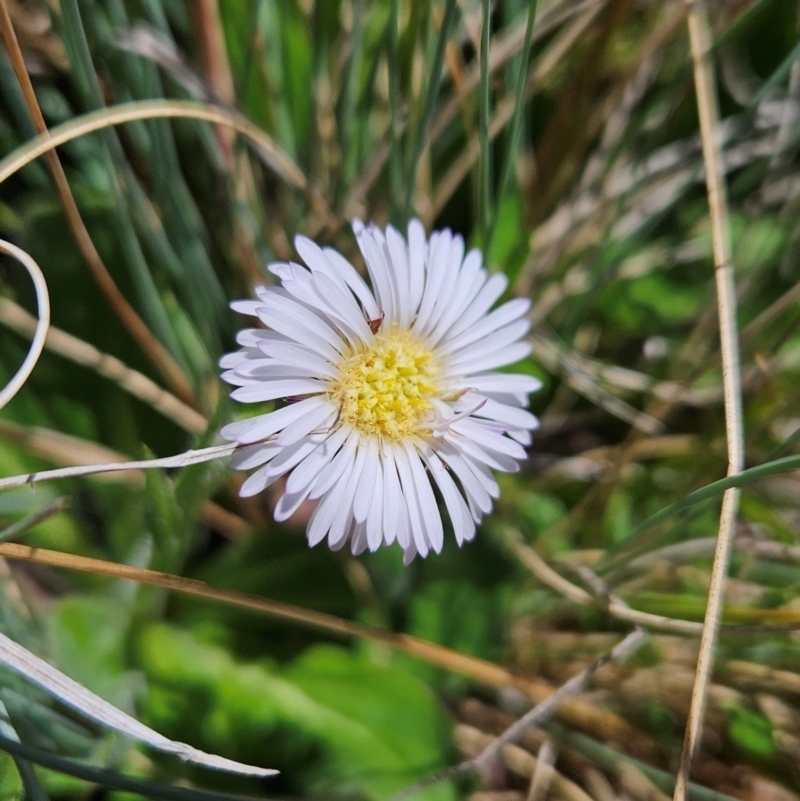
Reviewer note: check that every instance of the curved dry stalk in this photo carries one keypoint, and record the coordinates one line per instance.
(134, 324)
(108, 366)
(40, 328)
(701, 43)
(265, 146)
(68, 691)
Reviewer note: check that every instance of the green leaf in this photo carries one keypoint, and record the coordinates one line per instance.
(376, 727)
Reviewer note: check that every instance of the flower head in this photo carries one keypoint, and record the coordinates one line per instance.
(388, 391)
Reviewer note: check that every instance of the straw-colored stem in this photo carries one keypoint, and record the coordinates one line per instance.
(701, 42)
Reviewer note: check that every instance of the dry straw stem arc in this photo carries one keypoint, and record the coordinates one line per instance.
(154, 109)
(40, 329)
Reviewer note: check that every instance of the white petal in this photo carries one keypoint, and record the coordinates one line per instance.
(398, 255)
(493, 359)
(483, 474)
(356, 283)
(499, 318)
(485, 435)
(265, 425)
(290, 318)
(521, 435)
(417, 251)
(262, 369)
(249, 307)
(484, 300)
(463, 524)
(254, 456)
(230, 360)
(289, 504)
(431, 518)
(392, 498)
(256, 483)
(343, 519)
(493, 342)
(412, 503)
(343, 307)
(366, 488)
(502, 382)
(375, 514)
(438, 252)
(338, 466)
(473, 488)
(294, 354)
(449, 281)
(293, 454)
(510, 415)
(308, 470)
(358, 539)
(270, 390)
(468, 447)
(321, 419)
(467, 285)
(322, 516)
(376, 267)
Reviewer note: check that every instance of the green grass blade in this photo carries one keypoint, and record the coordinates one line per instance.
(429, 104)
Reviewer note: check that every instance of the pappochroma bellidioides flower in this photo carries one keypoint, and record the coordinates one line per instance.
(389, 391)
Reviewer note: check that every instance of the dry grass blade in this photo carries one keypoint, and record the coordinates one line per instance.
(181, 460)
(67, 450)
(701, 43)
(40, 327)
(573, 711)
(137, 328)
(69, 692)
(132, 381)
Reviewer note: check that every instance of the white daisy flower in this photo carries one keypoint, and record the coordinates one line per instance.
(388, 392)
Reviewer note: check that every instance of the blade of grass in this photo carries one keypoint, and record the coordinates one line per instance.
(30, 781)
(701, 41)
(27, 523)
(395, 152)
(434, 73)
(109, 778)
(516, 120)
(486, 214)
